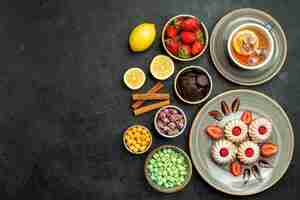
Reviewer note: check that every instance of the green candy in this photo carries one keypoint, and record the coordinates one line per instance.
(167, 168)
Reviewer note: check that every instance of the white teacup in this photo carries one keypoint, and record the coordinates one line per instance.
(264, 30)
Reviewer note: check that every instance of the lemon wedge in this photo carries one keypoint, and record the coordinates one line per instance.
(241, 38)
(161, 67)
(134, 78)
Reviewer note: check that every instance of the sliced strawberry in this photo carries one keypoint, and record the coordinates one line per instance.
(236, 168)
(171, 31)
(190, 24)
(247, 117)
(184, 51)
(197, 47)
(187, 37)
(215, 132)
(268, 149)
(172, 46)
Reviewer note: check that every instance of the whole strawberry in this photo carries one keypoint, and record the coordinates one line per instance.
(197, 47)
(200, 36)
(184, 51)
(171, 31)
(187, 37)
(178, 22)
(190, 24)
(172, 46)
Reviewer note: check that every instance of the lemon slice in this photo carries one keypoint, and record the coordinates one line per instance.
(134, 78)
(242, 37)
(161, 67)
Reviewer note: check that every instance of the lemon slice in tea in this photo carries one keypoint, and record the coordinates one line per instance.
(245, 37)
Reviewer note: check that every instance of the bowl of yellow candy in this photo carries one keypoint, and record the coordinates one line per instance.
(137, 139)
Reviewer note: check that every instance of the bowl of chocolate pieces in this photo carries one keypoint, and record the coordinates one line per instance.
(193, 84)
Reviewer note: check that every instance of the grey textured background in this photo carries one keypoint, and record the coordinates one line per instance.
(63, 106)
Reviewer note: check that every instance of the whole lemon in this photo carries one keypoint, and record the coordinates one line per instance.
(142, 37)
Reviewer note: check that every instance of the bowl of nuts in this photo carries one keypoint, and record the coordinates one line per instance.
(170, 121)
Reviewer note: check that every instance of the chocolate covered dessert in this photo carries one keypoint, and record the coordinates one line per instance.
(193, 85)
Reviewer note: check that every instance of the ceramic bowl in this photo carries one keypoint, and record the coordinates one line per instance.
(176, 57)
(264, 31)
(196, 68)
(169, 190)
(158, 129)
(128, 149)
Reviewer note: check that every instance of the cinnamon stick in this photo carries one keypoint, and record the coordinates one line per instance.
(150, 107)
(151, 96)
(154, 89)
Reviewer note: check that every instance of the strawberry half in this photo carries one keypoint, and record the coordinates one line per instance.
(247, 117)
(268, 149)
(171, 31)
(187, 37)
(190, 24)
(236, 168)
(215, 132)
(172, 46)
(197, 47)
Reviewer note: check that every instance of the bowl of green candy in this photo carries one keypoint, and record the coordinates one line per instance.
(168, 169)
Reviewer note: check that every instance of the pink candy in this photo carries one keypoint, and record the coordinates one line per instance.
(170, 121)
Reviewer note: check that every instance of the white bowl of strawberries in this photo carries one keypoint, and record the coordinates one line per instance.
(185, 37)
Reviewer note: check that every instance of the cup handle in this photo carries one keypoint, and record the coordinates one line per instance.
(269, 26)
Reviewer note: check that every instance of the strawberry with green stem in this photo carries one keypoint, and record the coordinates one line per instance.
(172, 46)
(190, 24)
(184, 51)
(200, 37)
(177, 22)
(187, 37)
(197, 47)
(171, 31)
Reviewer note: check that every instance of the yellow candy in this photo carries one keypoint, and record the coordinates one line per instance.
(130, 142)
(134, 149)
(137, 139)
(136, 145)
(142, 148)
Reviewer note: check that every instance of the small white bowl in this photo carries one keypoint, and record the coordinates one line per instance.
(260, 28)
(158, 129)
(196, 68)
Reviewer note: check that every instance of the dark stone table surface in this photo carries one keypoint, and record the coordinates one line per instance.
(63, 106)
